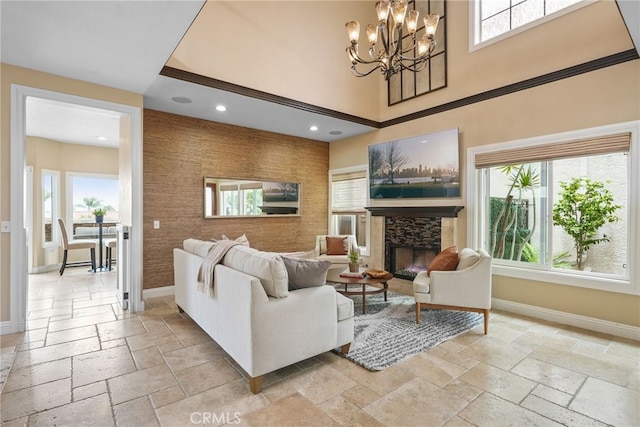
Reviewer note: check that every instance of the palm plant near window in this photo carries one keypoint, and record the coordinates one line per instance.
(508, 221)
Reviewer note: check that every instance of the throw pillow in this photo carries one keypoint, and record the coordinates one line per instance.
(447, 260)
(468, 257)
(336, 245)
(306, 273)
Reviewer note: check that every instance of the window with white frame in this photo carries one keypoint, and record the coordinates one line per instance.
(492, 19)
(50, 207)
(88, 191)
(348, 201)
(562, 210)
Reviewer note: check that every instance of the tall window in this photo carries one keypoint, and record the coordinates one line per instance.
(87, 192)
(348, 201)
(562, 207)
(50, 207)
(494, 18)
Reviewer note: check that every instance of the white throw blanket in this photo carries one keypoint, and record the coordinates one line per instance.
(205, 275)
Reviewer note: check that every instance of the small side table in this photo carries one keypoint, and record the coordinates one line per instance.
(333, 275)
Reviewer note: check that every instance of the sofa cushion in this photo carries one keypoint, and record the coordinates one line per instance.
(447, 260)
(345, 307)
(306, 273)
(197, 246)
(266, 266)
(243, 240)
(468, 257)
(337, 245)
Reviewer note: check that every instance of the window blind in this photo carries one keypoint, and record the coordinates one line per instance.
(562, 150)
(349, 192)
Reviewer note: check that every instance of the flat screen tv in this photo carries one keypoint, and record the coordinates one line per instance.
(425, 166)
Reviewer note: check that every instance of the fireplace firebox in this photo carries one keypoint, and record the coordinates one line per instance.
(405, 262)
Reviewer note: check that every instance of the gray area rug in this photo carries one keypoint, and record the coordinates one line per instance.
(388, 333)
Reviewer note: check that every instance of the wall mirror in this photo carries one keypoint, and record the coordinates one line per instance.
(229, 197)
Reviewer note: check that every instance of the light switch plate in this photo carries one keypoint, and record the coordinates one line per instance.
(6, 226)
(156, 224)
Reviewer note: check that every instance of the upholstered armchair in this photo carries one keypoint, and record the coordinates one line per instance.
(467, 287)
(335, 254)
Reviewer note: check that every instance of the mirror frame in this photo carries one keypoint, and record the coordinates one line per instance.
(212, 187)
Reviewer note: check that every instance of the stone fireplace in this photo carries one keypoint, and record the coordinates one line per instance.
(413, 236)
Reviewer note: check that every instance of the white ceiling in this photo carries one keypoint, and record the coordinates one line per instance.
(124, 45)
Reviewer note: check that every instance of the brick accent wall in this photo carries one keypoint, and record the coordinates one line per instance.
(178, 152)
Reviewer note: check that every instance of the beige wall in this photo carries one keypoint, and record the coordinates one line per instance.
(16, 75)
(180, 151)
(62, 157)
(593, 99)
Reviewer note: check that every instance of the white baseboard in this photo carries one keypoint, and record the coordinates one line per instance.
(10, 327)
(591, 323)
(158, 292)
(6, 328)
(44, 269)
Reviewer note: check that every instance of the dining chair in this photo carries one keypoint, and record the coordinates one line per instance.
(73, 245)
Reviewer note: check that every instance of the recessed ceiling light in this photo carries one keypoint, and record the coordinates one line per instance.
(221, 108)
(181, 100)
(313, 128)
(335, 132)
(101, 138)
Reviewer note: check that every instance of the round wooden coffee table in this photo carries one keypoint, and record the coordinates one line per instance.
(333, 275)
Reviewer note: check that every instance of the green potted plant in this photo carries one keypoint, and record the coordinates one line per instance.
(99, 213)
(354, 260)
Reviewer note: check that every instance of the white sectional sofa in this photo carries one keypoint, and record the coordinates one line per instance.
(262, 333)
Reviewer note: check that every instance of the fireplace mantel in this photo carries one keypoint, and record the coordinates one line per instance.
(416, 211)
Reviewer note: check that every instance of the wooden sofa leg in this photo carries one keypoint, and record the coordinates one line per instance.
(345, 348)
(486, 321)
(255, 384)
(180, 310)
(417, 312)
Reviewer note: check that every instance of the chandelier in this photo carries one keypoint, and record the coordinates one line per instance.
(393, 54)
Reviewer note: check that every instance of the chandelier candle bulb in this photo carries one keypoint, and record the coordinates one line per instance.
(353, 28)
(412, 21)
(431, 24)
(372, 34)
(399, 10)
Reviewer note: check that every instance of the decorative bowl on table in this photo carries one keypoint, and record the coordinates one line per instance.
(376, 274)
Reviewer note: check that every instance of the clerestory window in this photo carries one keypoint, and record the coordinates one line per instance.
(493, 20)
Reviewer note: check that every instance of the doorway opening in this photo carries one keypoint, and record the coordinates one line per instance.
(130, 177)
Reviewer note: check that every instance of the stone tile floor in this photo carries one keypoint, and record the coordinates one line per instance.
(83, 361)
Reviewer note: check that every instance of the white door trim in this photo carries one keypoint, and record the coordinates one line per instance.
(18, 240)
